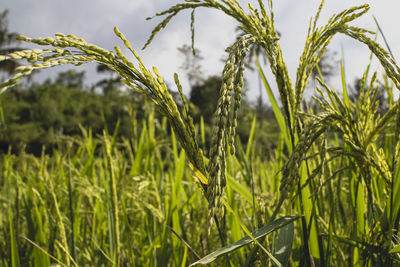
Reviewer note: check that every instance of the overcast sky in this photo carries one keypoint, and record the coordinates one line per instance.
(94, 21)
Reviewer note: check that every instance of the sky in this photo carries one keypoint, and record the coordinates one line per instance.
(214, 31)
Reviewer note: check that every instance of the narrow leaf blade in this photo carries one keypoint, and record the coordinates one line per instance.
(396, 249)
(275, 107)
(273, 226)
(284, 244)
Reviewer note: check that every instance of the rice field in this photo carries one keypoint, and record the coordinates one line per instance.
(329, 195)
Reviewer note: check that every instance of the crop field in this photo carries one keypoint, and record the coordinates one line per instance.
(175, 193)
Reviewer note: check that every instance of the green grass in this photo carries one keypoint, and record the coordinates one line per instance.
(154, 189)
(334, 179)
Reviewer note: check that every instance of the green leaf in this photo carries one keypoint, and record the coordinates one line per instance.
(360, 209)
(263, 231)
(13, 241)
(309, 208)
(383, 36)
(240, 189)
(251, 137)
(395, 199)
(275, 107)
(344, 86)
(396, 249)
(284, 244)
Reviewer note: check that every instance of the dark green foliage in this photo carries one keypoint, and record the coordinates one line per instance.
(71, 79)
(42, 114)
(205, 97)
(327, 66)
(358, 90)
(191, 65)
(8, 42)
(111, 84)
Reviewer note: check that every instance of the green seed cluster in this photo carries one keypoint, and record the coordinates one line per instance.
(314, 129)
(316, 43)
(47, 58)
(226, 119)
(358, 125)
(343, 118)
(387, 62)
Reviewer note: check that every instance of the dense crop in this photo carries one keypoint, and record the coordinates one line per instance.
(330, 196)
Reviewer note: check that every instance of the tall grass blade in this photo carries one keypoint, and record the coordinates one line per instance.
(384, 38)
(13, 242)
(242, 190)
(43, 251)
(2, 120)
(344, 85)
(328, 251)
(251, 137)
(308, 208)
(63, 243)
(115, 237)
(396, 249)
(395, 198)
(184, 242)
(202, 133)
(139, 153)
(284, 244)
(71, 211)
(275, 107)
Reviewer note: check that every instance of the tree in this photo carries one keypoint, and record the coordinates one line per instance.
(205, 97)
(327, 65)
(42, 114)
(71, 78)
(111, 84)
(191, 65)
(359, 89)
(8, 44)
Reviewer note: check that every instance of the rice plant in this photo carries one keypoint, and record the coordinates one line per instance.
(330, 196)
